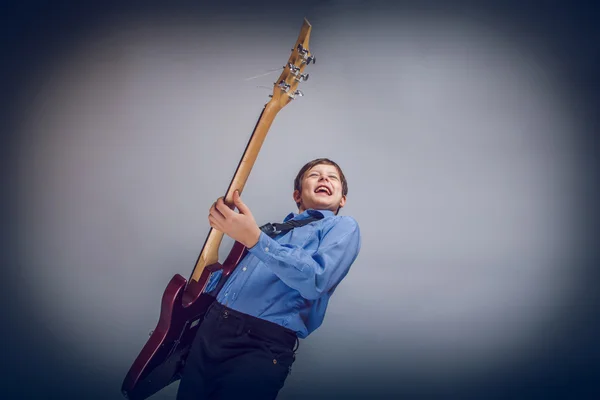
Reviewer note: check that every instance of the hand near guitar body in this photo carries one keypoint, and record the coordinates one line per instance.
(241, 226)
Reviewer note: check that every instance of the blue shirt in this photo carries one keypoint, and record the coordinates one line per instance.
(289, 279)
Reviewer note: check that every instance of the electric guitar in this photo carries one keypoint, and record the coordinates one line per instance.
(184, 302)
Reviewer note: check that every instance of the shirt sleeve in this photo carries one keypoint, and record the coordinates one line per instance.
(312, 273)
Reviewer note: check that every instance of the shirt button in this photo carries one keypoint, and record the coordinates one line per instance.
(266, 249)
(243, 269)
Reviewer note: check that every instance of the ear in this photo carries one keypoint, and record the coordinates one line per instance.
(296, 195)
(343, 201)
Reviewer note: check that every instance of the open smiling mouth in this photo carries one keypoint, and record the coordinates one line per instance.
(323, 190)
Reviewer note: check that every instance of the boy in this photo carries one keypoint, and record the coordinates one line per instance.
(278, 293)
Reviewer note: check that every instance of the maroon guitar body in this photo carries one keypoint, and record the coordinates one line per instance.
(182, 310)
(185, 302)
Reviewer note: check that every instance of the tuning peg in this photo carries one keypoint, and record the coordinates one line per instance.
(302, 77)
(293, 68)
(297, 93)
(307, 60)
(284, 86)
(303, 52)
(301, 49)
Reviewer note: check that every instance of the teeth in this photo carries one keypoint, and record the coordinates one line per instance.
(322, 188)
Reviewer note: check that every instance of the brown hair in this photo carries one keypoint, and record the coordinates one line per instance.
(309, 165)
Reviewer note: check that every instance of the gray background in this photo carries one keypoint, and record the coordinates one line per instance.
(462, 138)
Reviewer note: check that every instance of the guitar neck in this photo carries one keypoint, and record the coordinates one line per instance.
(210, 251)
(251, 152)
(284, 91)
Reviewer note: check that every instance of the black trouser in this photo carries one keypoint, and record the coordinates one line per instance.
(237, 356)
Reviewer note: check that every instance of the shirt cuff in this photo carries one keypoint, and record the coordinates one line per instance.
(262, 248)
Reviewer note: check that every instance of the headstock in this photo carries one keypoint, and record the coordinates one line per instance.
(286, 87)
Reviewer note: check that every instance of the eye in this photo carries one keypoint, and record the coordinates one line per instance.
(333, 177)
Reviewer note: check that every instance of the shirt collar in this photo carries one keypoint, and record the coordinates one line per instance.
(309, 213)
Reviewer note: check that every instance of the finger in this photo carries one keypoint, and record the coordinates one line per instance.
(214, 223)
(230, 206)
(215, 211)
(223, 208)
(216, 215)
(239, 203)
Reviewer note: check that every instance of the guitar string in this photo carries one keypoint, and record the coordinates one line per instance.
(267, 73)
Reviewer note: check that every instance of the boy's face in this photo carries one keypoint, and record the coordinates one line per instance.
(321, 189)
